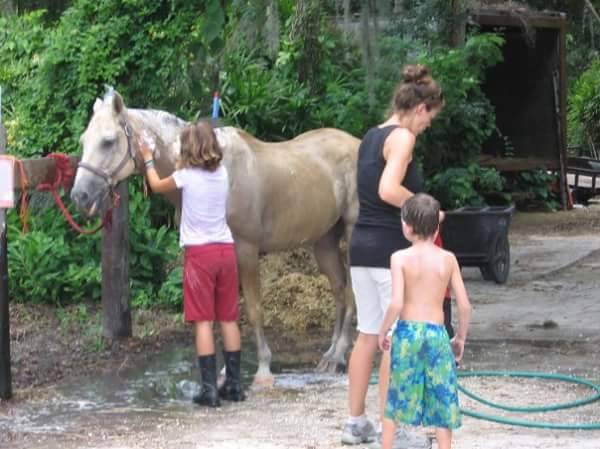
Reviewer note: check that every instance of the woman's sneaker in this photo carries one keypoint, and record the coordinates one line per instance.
(358, 434)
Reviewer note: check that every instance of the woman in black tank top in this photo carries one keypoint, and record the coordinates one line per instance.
(386, 177)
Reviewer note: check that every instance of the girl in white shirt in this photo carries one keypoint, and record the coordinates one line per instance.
(210, 278)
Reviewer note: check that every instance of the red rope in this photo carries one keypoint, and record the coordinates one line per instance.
(64, 177)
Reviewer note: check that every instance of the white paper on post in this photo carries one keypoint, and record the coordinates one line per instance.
(7, 192)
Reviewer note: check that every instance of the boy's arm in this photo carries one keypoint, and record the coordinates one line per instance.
(393, 311)
(462, 301)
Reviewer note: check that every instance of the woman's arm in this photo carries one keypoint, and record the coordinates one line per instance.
(397, 151)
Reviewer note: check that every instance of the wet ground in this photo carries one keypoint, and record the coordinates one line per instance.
(544, 319)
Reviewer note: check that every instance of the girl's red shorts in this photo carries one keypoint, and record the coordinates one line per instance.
(210, 283)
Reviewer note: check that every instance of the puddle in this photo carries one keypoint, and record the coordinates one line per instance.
(163, 386)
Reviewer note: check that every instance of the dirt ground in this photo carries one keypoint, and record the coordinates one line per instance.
(544, 319)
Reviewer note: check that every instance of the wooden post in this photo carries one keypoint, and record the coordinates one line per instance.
(115, 270)
(5, 375)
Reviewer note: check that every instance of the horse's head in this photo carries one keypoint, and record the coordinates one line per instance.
(108, 154)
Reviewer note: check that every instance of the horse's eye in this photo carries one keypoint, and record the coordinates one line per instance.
(107, 144)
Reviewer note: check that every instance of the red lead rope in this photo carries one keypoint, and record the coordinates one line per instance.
(64, 177)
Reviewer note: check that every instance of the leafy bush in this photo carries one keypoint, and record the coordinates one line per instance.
(540, 189)
(267, 98)
(470, 186)
(151, 249)
(152, 52)
(458, 133)
(49, 265)
(22, 39)
(53, 264)
(584, 109)
(171, 292)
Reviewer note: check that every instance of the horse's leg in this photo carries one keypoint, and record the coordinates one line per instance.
(248, 263)
(330, 261)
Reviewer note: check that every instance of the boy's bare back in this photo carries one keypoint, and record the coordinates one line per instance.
(422, 273)
(425, 271)
(420, 276)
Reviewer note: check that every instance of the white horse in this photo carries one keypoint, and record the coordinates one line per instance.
(282, 196)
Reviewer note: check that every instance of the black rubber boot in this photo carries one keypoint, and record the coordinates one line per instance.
(232, 390)
(208, 395)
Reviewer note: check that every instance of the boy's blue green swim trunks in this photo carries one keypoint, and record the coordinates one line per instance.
(423, 388)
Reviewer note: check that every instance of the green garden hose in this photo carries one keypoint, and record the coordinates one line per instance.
(538, 409)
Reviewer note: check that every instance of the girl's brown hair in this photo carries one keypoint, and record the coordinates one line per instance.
(199, 147)
(417, 86)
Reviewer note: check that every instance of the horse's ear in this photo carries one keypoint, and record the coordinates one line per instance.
(118, 105)
(97, 104)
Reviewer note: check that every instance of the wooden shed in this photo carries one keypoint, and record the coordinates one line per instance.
(527, 90)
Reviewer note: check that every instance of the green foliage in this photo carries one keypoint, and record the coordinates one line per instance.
(427, 21)
(268, 99)
(154, 53)
(467, 120)
(584, 108)
(171, 292)
(262, 101)
(53, 264)
(42, 270)
(22, 39)
(466, 186)
(49, 264)
(539, 185)
(151, 249)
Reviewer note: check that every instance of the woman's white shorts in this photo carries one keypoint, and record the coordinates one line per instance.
(372, 289)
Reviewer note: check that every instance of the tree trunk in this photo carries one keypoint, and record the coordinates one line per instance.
(305, 30)
(374, 35)
(367, 50)
(398, 6)
(347, 16)
(458, 23)
(7, 8)
(272, 28)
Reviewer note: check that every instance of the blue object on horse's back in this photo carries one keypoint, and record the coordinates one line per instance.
(215, 106)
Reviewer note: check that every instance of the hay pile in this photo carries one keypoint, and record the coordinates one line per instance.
(295, 295)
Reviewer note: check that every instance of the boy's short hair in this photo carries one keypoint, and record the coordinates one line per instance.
(422, 213)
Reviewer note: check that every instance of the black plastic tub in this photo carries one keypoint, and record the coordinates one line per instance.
(478, 236)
